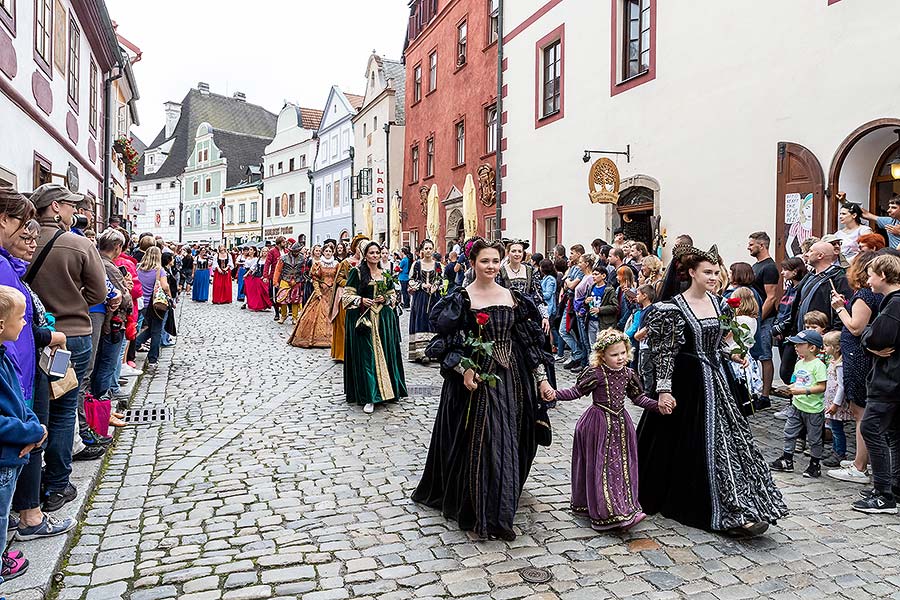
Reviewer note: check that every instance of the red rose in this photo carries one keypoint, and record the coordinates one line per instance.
(482, 318)
(734, 302)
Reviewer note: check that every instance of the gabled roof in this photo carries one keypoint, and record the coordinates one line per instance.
(395, 72)
(138, 144)
(223, 113)
(354, 100)
(241, 151)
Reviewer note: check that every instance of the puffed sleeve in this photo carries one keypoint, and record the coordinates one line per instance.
(449, 320)
(528, 335)
(585, 385)
(665, 335)
(635, 392)
(351, 297)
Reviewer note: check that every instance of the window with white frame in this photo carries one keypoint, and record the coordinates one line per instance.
(242, 213)
(253, 212)
(636, 38)
(229, 215)
(493, 20)
(432, 71)
(550, 82)
(43, 31)
(197, 217)
(490, 129)
(345, 191)
(417, 83)
(414, 166)
(302, 200)
(328, 192)
(462, 34)
(429, 157)
(460, 143)
(292, 206)
(92, 100)
(318, 207)
(74, 62)
(213, 214)
(334, 146)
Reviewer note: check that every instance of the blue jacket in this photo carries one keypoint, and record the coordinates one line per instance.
(19, 426)
(21, 352)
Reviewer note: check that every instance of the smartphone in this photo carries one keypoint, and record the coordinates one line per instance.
(123, 271)
(831, 282)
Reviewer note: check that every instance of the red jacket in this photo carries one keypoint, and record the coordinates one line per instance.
(271, 261)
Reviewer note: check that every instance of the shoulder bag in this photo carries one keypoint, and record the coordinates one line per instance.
(158, 299)
(39, 261)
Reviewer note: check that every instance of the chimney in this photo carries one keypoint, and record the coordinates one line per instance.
(173, 113)
(240, 96)
(203, 87)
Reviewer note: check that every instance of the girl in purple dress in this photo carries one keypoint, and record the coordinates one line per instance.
(604, 454)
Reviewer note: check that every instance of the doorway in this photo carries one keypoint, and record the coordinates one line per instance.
(800, 199)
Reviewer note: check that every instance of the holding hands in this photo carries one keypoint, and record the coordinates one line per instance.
(666, 403)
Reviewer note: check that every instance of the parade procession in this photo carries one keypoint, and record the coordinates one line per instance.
(494, 326)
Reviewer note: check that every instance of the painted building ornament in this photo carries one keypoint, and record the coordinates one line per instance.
(423, 200)
(604, 182)
(487, 185)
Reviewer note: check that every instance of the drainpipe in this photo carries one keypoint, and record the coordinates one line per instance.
(262, 203)
(107, 142)
(180, 206)
(310, 206)
(498, 181)
(352, 201)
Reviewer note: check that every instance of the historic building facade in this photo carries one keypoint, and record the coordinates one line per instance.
(160, 187)
(451, 112)
(286, 172)
(333, 215)
(242, 209)
(730, 129)
(57, 94)
(379, 129)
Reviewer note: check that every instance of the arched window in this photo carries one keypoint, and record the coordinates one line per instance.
(884, 186)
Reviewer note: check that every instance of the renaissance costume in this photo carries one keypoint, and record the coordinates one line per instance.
(200, 290)
(313, 329)
(425, 286)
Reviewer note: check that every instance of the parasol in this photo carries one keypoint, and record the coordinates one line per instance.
(395, 223)
(367, 219)
(470, 208)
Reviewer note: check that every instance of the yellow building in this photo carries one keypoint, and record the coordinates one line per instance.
(242, 210)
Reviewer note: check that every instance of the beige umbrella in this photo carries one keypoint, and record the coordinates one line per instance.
(433, 220)
(470, 207)
(395, 223)
(367, 219)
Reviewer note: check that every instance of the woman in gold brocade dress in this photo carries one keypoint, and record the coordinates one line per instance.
(313, 328)
(338, 313)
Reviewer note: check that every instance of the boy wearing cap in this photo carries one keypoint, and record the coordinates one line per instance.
(807, 408)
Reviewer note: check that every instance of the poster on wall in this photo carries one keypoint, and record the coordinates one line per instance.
(60, 37)
(138, 205)
(171, 217)
(798, 219)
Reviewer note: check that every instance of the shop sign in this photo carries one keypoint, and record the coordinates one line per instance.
(604, 182)
(138, 205)
(379, 193)
(276, 231)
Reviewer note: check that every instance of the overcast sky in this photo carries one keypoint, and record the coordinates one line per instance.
(272, 50)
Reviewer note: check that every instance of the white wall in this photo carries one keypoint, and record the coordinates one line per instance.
(164, 199)
(733, 79)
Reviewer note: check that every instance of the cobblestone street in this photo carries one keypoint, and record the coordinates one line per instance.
(266, 484)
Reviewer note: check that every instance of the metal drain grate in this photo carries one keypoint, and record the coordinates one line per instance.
(145, 416)
(424, 390)
(535, 575)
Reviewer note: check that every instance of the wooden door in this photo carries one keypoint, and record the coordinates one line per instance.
(799, 201)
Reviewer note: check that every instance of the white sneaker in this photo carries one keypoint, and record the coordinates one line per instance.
(369, 408)
(129, 371)
(850, 474)
(783, 413)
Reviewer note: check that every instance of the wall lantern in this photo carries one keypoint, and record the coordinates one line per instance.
(895, 164)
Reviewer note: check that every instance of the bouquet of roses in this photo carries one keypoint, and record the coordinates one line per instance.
(740, 332)
(480, 351)
(386, 285)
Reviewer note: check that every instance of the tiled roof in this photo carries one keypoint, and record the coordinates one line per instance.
(395, 71)
(138, 144)
(310, 118)
(241, 151)
(354, 100)
(223, 113)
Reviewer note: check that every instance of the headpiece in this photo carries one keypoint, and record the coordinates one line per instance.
(682, 250)
(330, 241)
(510, 242)
(355, 242)
(609, 337)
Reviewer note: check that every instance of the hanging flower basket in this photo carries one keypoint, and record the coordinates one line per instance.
(125, 149)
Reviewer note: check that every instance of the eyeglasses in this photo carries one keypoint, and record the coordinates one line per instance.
(29, 239)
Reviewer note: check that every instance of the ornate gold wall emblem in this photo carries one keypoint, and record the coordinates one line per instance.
(487, 185)
(604, 182)
(423, 200)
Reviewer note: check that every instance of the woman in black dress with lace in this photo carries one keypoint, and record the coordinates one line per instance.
(700, 465)
(483, 442)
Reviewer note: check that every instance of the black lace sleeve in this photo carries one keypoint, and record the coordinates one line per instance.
(665, 335)
(450, 319)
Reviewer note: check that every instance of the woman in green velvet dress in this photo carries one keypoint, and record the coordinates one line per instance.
(373, 366)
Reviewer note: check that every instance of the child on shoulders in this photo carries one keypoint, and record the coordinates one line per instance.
(604, 453)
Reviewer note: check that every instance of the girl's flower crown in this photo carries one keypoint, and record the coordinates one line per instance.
(609, 337)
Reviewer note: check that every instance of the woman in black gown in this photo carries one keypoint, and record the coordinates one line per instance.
(484, 442)
(700, 465)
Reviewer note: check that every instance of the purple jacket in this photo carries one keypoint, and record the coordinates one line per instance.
(22, 352)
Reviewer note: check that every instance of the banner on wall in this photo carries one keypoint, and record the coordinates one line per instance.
(137, 205)
(379, 197)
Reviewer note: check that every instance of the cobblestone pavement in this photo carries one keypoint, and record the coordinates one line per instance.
(267, 484)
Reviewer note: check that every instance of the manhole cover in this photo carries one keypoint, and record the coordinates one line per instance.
(535, 575)
(424, 390)
(142, 416)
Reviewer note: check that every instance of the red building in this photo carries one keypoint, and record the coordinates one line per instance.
(451, 113)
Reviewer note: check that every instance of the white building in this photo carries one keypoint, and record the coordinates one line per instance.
(286, 167)
(57, 66)
(159, 187)
(332, 213)
(242, 209)
(383, 106)
(739, 117)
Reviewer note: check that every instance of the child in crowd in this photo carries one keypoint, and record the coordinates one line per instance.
(647, 297)
(604, 453)
(643, 299)
(818, 322)
(601, 304)
(836, 410)
(807, 406)
(746, 313)
(20, 431)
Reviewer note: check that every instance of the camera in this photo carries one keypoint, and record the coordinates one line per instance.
(79, 222)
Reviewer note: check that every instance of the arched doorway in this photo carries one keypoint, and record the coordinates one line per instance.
(884, 186)
(800, 199)
(455, 227)
(858, 162)
(637, 211)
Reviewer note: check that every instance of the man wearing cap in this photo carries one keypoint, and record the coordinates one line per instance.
(272, 258)
(67, 273)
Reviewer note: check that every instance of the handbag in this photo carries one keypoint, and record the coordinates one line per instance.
(64, 385)
(158, 299)
(170, 326)
(97, 412)
(543, 433)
